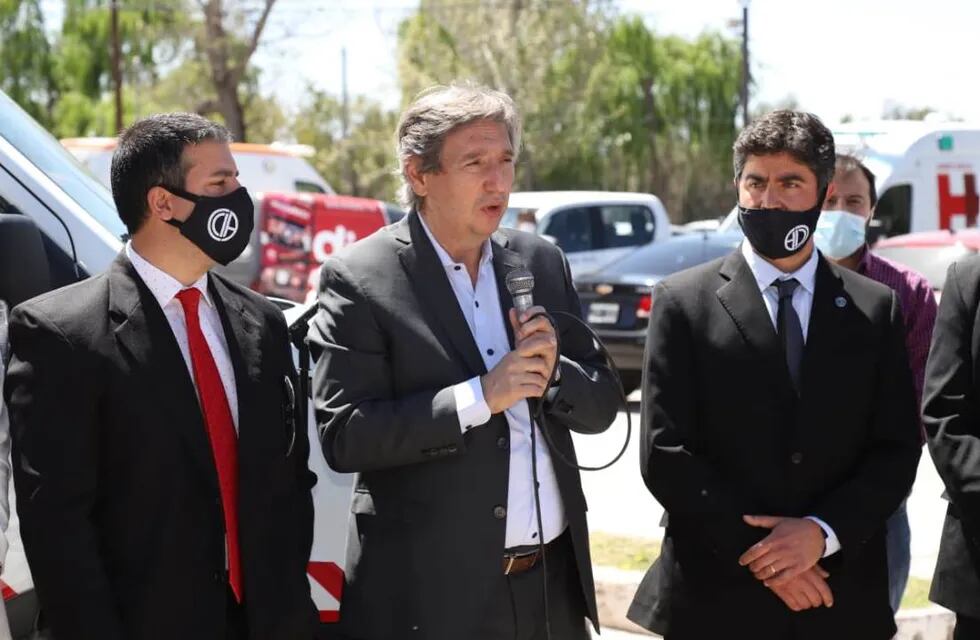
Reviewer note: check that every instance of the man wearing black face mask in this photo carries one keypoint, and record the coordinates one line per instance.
(164, 489)
(779, 421)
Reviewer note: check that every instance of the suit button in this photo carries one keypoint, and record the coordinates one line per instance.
(502, 443)
(217, 577)
(796, 458)
(499, 512)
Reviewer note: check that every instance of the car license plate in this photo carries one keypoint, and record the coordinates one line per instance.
(603, 313)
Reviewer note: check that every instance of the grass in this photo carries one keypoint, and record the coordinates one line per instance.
(637, 554)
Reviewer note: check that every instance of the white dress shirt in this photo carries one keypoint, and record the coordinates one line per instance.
(481, 308)
(765, 274)
(165, 288)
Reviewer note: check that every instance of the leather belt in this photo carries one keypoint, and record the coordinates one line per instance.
(515, 563)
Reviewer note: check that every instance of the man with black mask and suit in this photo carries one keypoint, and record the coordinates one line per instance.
(422, 387)
(163, 487)
(779, 425)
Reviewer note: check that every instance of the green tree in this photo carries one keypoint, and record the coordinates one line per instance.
(538, 51)
(363, 163)
(25, 57)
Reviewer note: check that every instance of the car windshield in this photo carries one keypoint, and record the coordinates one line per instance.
(931, 262)
(675, 255)
(47, 154)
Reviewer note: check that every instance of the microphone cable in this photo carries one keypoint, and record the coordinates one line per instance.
(538, 415)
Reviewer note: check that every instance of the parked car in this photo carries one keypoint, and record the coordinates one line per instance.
(930, 252)
(616, 300)
(593, 228)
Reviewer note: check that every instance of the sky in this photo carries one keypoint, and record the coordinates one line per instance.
(835, 57)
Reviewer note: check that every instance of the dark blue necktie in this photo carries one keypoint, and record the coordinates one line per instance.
(789, 329)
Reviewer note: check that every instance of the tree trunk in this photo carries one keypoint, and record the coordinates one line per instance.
(226, 72)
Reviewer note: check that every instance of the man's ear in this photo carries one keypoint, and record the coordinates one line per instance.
(159, 203)
(416, 178)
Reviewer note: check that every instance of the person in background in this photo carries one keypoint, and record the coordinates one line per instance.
(841, 235)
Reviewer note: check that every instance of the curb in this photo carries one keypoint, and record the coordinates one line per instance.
(615, 589)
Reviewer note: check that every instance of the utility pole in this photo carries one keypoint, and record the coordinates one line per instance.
(745, 63)
(116, 62)
(345, 123)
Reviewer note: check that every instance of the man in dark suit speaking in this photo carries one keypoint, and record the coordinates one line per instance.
(162, 486)
(779, 422)
(422, 388)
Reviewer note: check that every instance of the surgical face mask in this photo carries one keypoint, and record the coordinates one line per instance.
(840, 233)
(778, 233)
(219, 226)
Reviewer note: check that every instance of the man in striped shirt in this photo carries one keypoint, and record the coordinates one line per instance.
(841, 236)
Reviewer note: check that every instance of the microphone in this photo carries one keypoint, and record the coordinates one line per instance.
(520, 283)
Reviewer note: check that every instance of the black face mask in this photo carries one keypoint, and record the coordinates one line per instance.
(221, 226)
(777, 233)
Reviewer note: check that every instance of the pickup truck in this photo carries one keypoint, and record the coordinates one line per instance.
(67, 228)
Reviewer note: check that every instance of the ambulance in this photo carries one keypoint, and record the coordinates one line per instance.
(64, 227)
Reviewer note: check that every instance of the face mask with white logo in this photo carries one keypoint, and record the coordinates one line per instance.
(778, 233)
(840, 233)
(219, 226)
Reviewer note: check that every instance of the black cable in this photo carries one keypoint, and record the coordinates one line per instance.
(538, 415)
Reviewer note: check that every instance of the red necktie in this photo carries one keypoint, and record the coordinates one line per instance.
(221, 430)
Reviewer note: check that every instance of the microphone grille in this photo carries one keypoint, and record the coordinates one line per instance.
(520, 282)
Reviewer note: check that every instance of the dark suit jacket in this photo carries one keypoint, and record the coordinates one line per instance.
(725, 434)
(951, 414)
(117, 489)
(391, 341)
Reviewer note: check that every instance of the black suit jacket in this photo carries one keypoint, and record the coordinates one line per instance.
(391, 341)
(724, 434)
(117, 489)
(951, 414)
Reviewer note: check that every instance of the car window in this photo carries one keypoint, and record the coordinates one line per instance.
(47, 154)
(302, 186)
(572, 229)
(625, 225)
(894, 211)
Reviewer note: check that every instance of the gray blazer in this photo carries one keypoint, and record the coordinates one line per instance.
(390, 341)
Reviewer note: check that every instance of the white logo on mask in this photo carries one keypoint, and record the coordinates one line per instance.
(222, 225)
(796, 237)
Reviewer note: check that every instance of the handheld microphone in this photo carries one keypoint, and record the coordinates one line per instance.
(520, 283)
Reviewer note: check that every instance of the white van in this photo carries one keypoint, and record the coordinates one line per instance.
(76, 233)
(925, 173)
(593, 228)
(262, 167)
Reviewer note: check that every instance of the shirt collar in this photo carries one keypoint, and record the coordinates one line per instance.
(486, 256)
(765, 273)
(161, 284)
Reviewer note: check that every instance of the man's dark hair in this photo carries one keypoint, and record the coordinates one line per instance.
(800, 134)
(149, 155)
(847, 163)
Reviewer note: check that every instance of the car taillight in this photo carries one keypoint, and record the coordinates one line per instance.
(643, 306)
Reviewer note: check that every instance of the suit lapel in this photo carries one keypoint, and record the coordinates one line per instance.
(504, 261)
(243, 335)
(433, 290)
(741, 298)
(826, 321)
(145, 336)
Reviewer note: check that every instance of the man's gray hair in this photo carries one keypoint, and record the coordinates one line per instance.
(435, 113)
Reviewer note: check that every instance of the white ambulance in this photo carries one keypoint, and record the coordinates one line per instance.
(64, 226)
